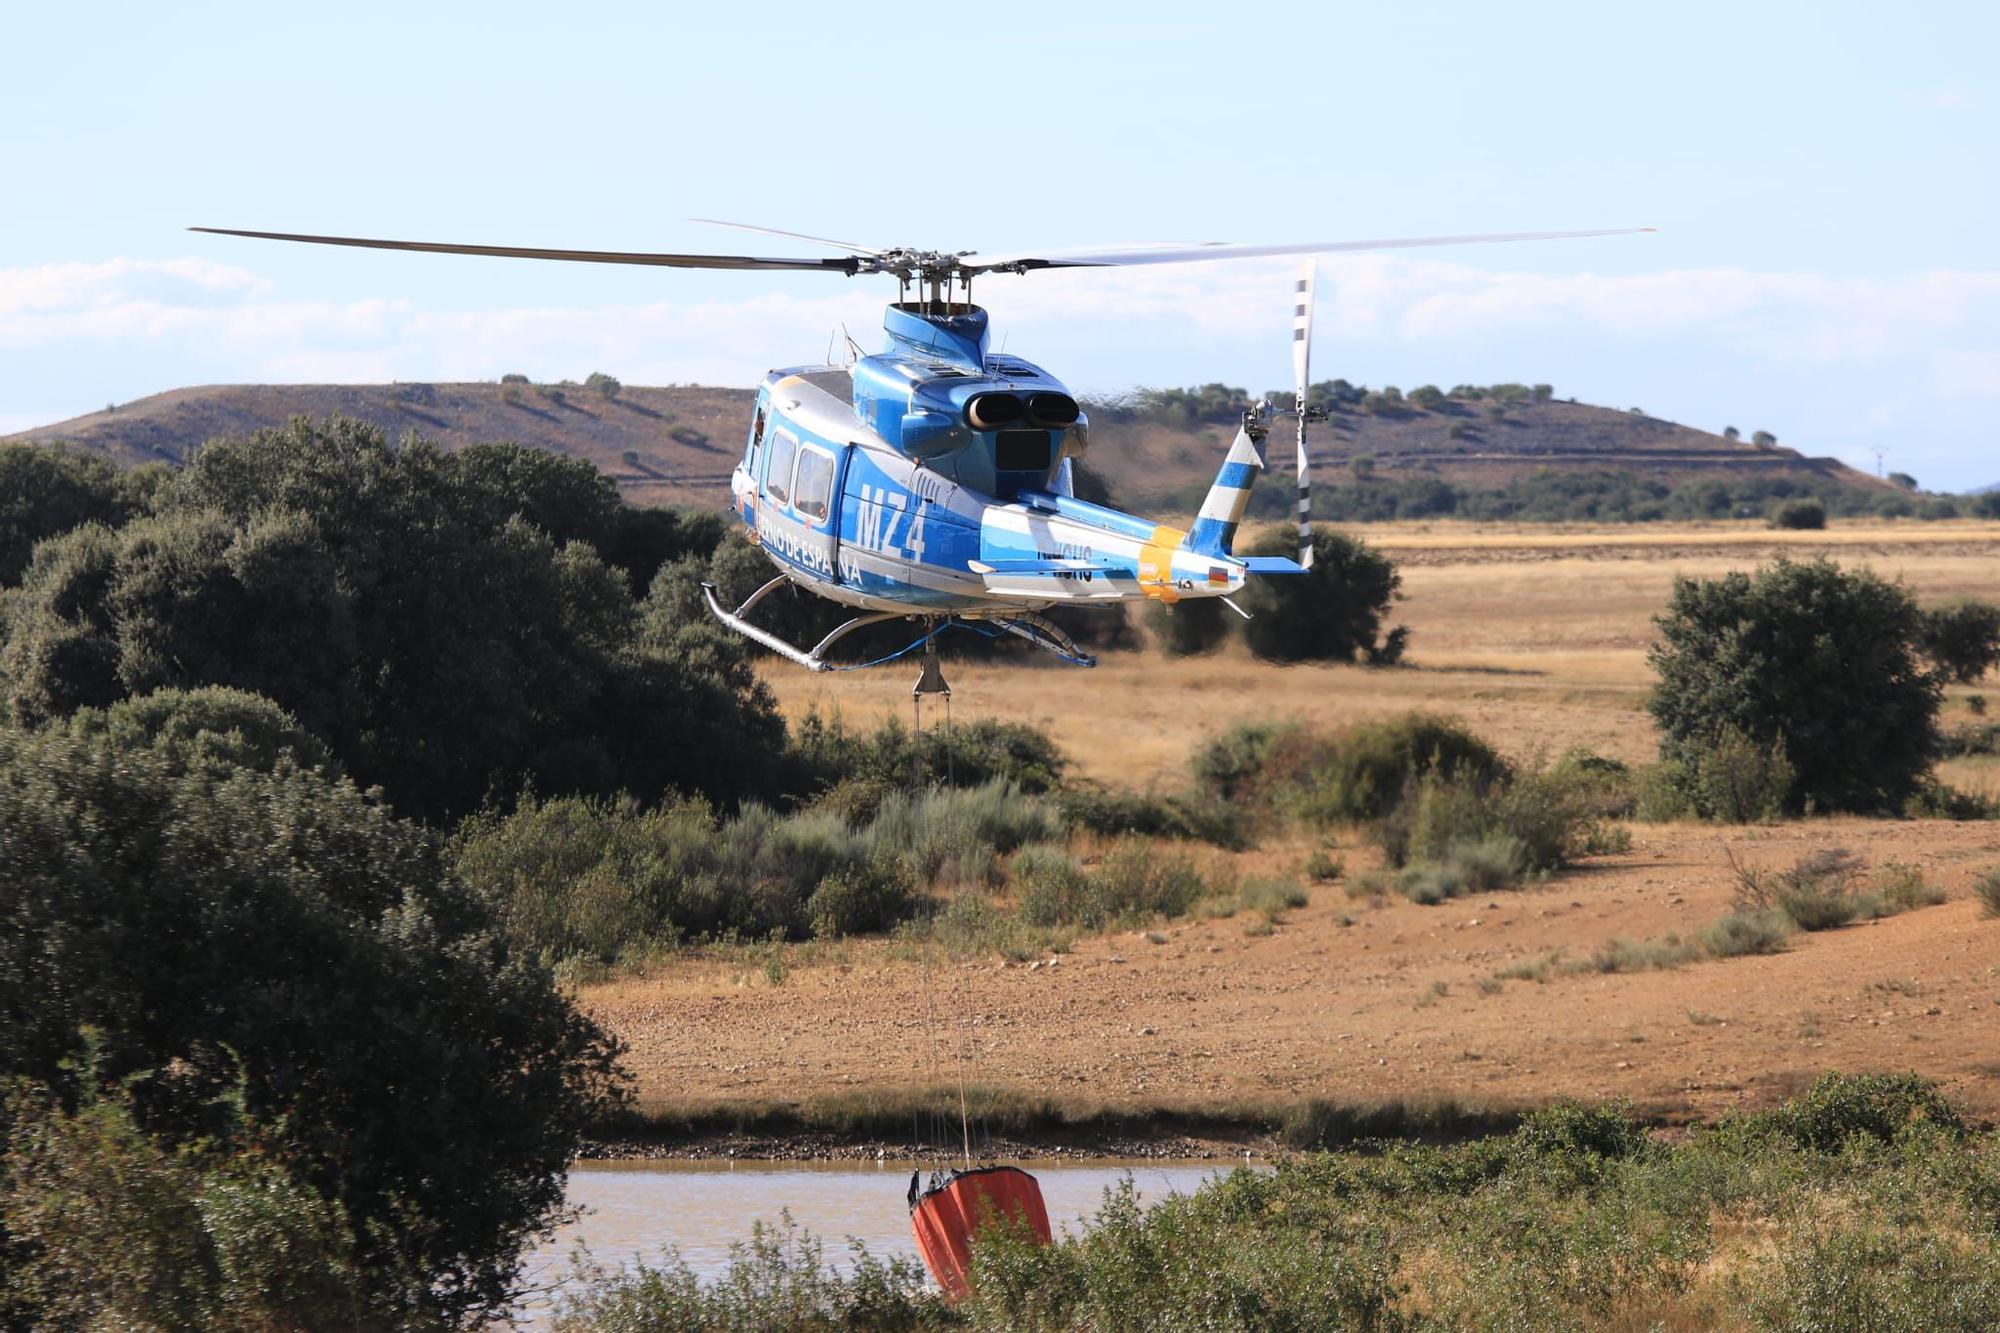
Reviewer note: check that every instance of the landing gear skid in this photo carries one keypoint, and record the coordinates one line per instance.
(1023, 624)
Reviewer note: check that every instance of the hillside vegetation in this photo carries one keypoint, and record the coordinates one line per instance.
(1477, 451)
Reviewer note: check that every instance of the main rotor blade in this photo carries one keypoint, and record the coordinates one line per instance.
(846, 266)
(1122, 258)
(790, 235)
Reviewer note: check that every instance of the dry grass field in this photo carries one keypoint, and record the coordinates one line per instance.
(1537, 639)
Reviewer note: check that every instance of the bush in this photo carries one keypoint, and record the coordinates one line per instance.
(1186, 628)
(606, 385)
(1805, 656)
(111, 1229)
(1333, 613)
(1986, 888)
(1800, 515)
(354, 584)
(973, 755)
(1747, 932)
(1731, 780)
(1098, 809)
(1962, 641)
(1840, 1108)
(279, 943)
(1359, 773)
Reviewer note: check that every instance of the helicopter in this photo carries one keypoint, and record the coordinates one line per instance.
(934, 480)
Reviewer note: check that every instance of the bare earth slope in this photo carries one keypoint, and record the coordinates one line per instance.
(1537, 639)
(678, 443)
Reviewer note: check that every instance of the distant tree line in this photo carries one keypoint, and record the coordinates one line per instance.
(1360, 493)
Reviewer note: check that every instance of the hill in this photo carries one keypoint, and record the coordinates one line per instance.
(677, 443)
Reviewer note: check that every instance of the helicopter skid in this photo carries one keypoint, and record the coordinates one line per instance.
(1022, 624)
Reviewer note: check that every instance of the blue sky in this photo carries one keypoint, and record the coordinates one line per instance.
(1824, 178)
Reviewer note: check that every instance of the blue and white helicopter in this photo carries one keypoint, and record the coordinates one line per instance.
(933, 480)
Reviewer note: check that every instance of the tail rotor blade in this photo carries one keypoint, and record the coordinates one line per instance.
(1302, 317)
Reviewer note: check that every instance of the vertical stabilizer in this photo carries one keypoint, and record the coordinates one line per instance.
(1214, 528)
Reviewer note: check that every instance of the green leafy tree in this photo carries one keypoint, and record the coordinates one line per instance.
(604, 384)
(274, 944)
(1731, 433)
(1963, 640)
(1333, 613)
(1800, 515)
(45, 491)
(1763, 439)
(1807, 657)
(444, 623)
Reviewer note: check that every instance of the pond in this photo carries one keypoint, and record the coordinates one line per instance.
(644, 1209)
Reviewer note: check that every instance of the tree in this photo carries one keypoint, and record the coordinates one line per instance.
(1731, 433)
(1763, 439)
(1819, 662)
(1543, 392)
(1963, 641)
(1427, 396)
(1333, 613)
(1903, 479)
(228, 939)
(604, 384)
(46, 491)
(444, 623)
(1800, 515)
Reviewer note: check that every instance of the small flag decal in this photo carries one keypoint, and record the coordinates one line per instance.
(1217, 574)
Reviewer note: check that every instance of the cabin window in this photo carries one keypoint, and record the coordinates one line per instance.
(815, 483)
(778, 472)
(756, 441)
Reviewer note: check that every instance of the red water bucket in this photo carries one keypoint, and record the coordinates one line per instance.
(948, 1215)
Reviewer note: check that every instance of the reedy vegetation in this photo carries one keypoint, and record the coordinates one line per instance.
(1865, 1202)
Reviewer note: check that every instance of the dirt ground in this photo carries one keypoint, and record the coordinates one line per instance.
(1534, 637)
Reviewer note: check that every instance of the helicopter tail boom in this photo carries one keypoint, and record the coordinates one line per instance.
(1214, 529)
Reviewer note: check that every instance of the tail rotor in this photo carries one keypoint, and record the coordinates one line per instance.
(1302, 308)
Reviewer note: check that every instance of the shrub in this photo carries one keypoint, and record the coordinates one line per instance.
(1821, 661)
(1986, 888)
(1359, 773)
(1962, 641)
(857, 900)
(1138, 881)
(1335, 612)
(1197, 625)
(288, 951)
(1494, 862)
(1840, 1108)
(1569, 1133)
(1821, 891)
(1733, 780)
(1800, 515)
(606, 385)
(973, 755)
(1099, 809)
(111, 1229)
(1747, 932)
(1543, 819)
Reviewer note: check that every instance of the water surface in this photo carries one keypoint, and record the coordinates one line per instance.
(645, 1209)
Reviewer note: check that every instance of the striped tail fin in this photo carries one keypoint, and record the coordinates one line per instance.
(1214, 529)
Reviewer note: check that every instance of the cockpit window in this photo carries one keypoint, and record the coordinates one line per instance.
(778, 472)
(815, 483)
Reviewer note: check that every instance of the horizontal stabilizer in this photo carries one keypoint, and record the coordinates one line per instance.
(1270, 564)
(1037, 567)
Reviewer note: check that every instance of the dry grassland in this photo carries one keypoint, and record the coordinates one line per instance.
(1537, 639)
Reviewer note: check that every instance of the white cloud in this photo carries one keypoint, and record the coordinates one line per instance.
(1831, 362)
